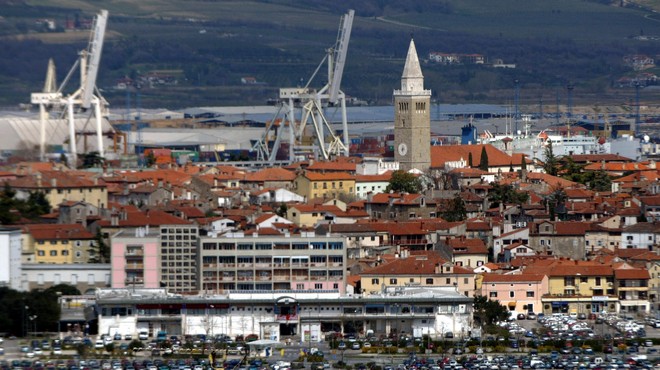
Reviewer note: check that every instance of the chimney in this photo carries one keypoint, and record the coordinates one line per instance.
(53, 182)
(114, 219)
(38, 177)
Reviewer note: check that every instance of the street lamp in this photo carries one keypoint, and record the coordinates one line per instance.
(33, 321)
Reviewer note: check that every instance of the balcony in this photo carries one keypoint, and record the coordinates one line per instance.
(281, 265)
(134, 266)
(134, 253)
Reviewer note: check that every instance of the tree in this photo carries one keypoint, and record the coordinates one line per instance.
(403, 181)
(488, 312)
(510, 166)
(483, 161)
(505, 194)
(523, 163)
(281, 210)
(455, 210)
(470, 159)
(92, 159)
(63, 289)
(551, 162)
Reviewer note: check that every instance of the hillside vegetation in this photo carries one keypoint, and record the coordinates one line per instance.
(212, 44)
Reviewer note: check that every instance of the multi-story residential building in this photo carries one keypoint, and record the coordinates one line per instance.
(135, 257)
(520, 293)
(308, 215)
(645, 235)
(303, 315)
(164, 256)
(374, 184)
(400, 206)
(632, 285)
(58, 243)
(467, 252)
(424, 269)
(564, 239)
(326, 185)
(240, 262)
(10, 257)
(519, 235)
(580, 287)
(61, 186)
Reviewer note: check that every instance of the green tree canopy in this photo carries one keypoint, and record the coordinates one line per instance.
(505, 194)
(483, 161)
(403, 181)
(455, 210)
(551, 164)
(488, 312)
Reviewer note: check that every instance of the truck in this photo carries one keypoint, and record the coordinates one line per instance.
(162, 336)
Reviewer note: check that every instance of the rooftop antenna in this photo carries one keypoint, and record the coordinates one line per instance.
(637, 117)
(516, 98)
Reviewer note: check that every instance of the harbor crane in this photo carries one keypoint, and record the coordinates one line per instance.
(85, 100)
(313, 104)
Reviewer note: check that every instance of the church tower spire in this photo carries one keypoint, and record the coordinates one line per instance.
(412, 117)
(412, 78)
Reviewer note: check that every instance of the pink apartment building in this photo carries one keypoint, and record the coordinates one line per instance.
(520, 293)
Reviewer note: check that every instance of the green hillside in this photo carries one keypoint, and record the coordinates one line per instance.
(207, 46)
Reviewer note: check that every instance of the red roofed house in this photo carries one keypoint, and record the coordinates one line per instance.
(61, 186)
(632, 285)
(565, 239)
(58, 243)
(466, 252)
(421, 268)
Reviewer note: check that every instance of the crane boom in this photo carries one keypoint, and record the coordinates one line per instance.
(94, 58)
(339, 61)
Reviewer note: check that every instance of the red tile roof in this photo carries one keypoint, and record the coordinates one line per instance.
(58, 232)
(441, 154)
(631, 274)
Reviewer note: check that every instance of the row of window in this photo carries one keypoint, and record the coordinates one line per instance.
(428, 281)
(55, 253)
(512, 294)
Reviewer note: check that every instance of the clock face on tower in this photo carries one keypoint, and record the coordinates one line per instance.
(403, 149)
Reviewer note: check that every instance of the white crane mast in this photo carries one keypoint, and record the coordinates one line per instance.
(313, 104)
(84, 98)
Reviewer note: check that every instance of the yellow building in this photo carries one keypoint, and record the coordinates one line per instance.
(417, 268)
(61, 186)
(324, 185)
(309, 214)
(58, 244)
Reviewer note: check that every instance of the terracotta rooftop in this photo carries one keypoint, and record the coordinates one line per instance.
(58, 232)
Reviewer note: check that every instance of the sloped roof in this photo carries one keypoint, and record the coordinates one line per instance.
(440, 154)
(270, 174)
(58, 232)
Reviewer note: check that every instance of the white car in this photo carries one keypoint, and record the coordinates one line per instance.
(57, 351)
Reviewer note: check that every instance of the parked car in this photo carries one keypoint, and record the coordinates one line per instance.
(531, 316)
(449, 335)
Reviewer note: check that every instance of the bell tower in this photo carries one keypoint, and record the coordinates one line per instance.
(412, 117)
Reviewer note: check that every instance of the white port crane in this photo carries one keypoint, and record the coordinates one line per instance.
(313, 104)
(85, 97)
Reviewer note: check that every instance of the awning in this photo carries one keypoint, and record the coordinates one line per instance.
(512, 304)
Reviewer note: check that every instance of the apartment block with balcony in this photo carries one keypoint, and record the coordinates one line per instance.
(134, 259)
(300, 262)
(632, 286)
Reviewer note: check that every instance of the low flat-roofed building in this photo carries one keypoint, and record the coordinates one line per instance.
(298, 315)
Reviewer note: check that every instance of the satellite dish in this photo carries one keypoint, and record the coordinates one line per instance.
(647, 138)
